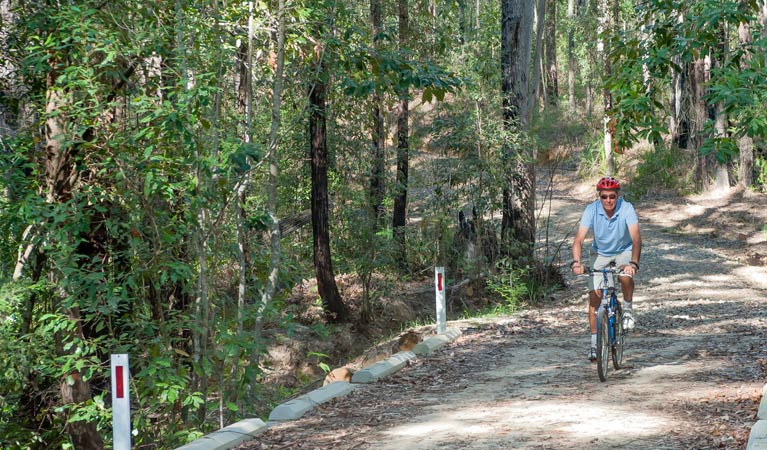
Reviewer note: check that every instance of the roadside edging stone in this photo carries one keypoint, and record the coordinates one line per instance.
(229, 436)
(757, 438)
(297, 407)
(762, 413)
(244, 430)
(383, 369)
(435, 342)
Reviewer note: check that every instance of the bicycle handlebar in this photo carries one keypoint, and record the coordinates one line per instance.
(588, 271)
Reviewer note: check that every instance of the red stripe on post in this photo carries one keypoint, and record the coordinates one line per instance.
(119, 375)
(439, 282)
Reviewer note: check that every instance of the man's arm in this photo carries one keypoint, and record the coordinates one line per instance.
(636, 242)
(580, 236)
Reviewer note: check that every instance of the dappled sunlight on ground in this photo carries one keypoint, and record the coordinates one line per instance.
(575, 422)
(756, 275)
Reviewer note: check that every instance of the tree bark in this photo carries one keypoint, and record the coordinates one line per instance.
(745, 142)
(722, 177)
(518, 215)
(679, 123)
(61, 176)
(607, 20)
(698, 116)
(335, 309)
(274, 228)
(552, 82)
(537, 88)
(377, 183)
(403, 153)
(571, 54)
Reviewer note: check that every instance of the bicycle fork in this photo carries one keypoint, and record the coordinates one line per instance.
(607, 304)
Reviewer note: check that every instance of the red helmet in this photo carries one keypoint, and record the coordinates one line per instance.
(608, 183)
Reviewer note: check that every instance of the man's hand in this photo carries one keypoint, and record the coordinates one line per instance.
(578, 268)
(629, 269)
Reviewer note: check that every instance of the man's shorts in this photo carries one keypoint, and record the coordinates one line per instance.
(598, 262)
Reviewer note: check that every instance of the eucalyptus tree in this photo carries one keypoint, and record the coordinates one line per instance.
(745, 142)
(571, 65)
(551, 73)
(399, 216)
(378, 139)
(539, 84)
(674, 50)
(518, 211)
(335, 309)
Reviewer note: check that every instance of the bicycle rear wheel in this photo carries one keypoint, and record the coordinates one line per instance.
(603, 343)
(620, 337)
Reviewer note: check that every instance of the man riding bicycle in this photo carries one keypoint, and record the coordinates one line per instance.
(616, 240)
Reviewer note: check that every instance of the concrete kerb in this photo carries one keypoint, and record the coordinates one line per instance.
(237, 433)
(762, 413)
(382, 369)
(296, 408)
(757, 438)
(435, 342)
(229, 436)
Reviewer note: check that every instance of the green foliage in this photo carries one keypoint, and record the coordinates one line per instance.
(760, 165)
(671, 36)
(510, 285)
(662, 168)
(321, 364)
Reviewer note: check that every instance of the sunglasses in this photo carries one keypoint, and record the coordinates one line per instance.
(605, 197)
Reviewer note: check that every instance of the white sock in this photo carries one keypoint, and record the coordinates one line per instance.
(628, 306)
(594, 340)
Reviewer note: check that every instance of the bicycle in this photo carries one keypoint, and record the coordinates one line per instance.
(611, 337)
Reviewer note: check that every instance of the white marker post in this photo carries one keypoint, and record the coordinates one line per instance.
(439, 288)
(121, 427)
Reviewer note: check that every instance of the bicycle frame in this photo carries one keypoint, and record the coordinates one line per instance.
(609, 301)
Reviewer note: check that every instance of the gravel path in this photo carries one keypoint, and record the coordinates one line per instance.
(697, 364)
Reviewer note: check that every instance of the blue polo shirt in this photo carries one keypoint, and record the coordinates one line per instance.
(611, 236)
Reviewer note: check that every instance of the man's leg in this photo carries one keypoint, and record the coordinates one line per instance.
(594, 301)
(595, 298)
(627, 288)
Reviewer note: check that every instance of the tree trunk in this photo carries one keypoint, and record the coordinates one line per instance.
(540, 14)
(552, 83)
(377, 183)
(243, 62)
(722, 177)
(746, 142)
(607, 21)
(679, 123)
(518, 215)
(763, 22)
(698, 116)
(60, 178)
(400, 198)
(335, 309)
(274, 179)
(462, 21)
(571, 54)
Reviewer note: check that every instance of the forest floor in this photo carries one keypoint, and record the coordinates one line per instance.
(695, 364)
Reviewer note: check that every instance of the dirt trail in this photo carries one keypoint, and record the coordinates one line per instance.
(698, 362)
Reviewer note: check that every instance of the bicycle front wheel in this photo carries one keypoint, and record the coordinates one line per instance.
(620, 337)
(603, 343)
